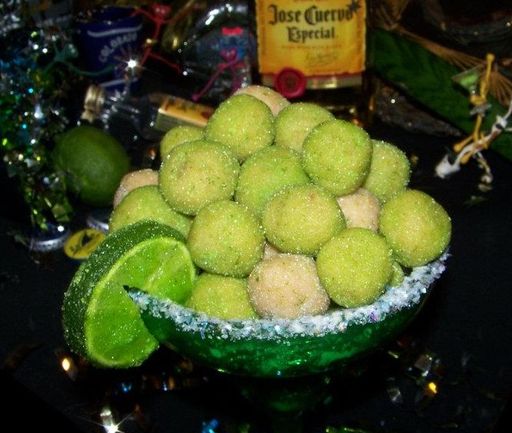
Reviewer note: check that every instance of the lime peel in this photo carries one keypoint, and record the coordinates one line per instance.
(100, 321)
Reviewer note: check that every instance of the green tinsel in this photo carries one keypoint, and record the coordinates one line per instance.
(31, 114)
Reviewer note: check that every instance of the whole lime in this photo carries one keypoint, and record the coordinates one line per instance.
(94, 163)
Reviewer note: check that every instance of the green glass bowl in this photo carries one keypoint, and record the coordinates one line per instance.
(289, 348)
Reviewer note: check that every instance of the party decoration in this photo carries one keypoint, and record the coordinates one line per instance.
(10, 18)
(90, 3)
(344, 429)
(159, 15)
(109, 39)
(388, 16)
(476, 141)
(210, 426)
(424, 69)
(215, 46)
(398, 110)
(417, 382)
(31, 114)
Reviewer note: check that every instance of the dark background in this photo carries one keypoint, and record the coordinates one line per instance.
(465, 327)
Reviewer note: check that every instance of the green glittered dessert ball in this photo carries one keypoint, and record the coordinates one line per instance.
(265, 173)
(389, 171)
(178, 135)
(197, 173)
(337, 155)
(243, 123)
(287, 286)
(355, 266)
(226, 238)
(145, 203)
(296, 121)
(417, 228)
(222, 297)
(300, 219)
(398, 275)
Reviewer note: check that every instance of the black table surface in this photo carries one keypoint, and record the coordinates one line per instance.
(465, 328)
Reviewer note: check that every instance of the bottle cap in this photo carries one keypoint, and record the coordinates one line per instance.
(82, 243)
(290, 82)
(48, 240)
(98, 219)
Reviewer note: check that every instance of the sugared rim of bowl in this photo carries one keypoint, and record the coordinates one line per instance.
(407, 295)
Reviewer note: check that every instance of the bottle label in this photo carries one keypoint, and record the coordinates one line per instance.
(175, 111)
(322, 39)
(81, 244)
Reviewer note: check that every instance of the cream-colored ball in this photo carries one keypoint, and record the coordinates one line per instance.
(134, 179)
(361, 209)
(287, 286)
(274, 100)
(270, 251)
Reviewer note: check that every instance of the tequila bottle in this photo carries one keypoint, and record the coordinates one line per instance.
(315, 51)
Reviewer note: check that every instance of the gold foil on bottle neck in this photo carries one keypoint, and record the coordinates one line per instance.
(334, 81)
(327, 82)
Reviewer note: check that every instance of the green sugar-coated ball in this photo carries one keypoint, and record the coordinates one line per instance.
(300, 219)
(296, 121)
(417, 228)
(355, 266)
(287, 286)
(243, 123)
(144, 203)
(265, 173)
(398, 275)
(337, 155)
(274, 100)
(197, 173)
(222, 297)
(389, 171)
(361, 209)
(177, 135)
(226, 238)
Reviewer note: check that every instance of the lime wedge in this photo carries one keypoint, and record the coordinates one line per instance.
(100, 320)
